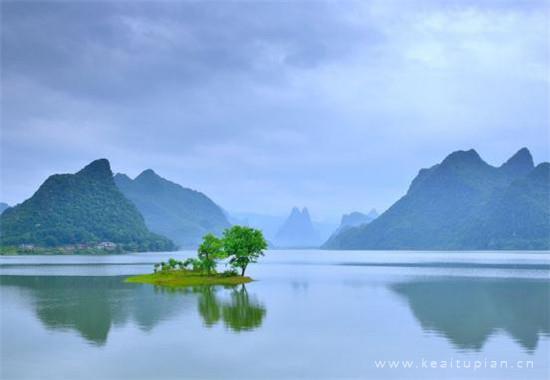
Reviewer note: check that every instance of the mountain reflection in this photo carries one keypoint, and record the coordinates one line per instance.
(468, 311)
(92, 305)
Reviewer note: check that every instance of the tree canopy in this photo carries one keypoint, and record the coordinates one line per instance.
(210, 250)
(243, 245)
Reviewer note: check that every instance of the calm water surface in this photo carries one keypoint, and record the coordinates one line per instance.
(310, 314)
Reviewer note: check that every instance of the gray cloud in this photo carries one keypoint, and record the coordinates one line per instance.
(264, 105)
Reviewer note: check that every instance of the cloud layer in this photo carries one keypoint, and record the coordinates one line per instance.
(266, 105)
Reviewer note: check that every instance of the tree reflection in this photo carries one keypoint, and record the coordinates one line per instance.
(209, 305)
(93, 305)
(241, 312)
(238, 310)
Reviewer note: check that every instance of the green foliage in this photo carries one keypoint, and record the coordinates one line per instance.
(243, 245)
(63, 250)
(229, 273)
(172, 265)
(190, 263)
(210, 250)
(81, 208)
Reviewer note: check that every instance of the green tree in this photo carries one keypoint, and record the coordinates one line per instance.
(243, 245)
(210, 250)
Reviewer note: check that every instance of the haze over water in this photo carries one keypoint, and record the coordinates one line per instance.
(310, 314)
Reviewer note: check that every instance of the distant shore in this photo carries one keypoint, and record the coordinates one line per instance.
(85, 250)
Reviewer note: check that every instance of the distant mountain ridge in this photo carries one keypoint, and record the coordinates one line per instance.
(270, 224)
(355, 219)
(179, 213)
(297, 231)
(81, 208)
(3, 206)
(464, 203)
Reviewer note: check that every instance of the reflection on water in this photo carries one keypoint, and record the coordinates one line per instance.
(241, 312)
(92, 305)
(469, 310)
(58, 317)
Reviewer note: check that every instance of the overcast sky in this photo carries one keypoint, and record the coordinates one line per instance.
(267, 105)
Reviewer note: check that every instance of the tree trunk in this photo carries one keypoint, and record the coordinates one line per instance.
(243, 269)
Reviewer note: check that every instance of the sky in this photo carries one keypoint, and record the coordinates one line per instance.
(266, 105)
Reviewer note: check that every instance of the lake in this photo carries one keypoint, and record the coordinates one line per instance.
(310, 314)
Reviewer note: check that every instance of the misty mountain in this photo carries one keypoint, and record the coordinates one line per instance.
(80, 208)
(181, 214)
(268, 224)
(355, 219)
(297, 231)
(325, 229)
(519, 218)
(3, 206)
(464, 203)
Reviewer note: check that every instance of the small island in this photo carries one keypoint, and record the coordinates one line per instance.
(240, 245)
(183, 277)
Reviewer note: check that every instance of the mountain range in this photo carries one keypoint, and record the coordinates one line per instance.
(179, 213)
(82, 208)
(463, 203)
(297, 231)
